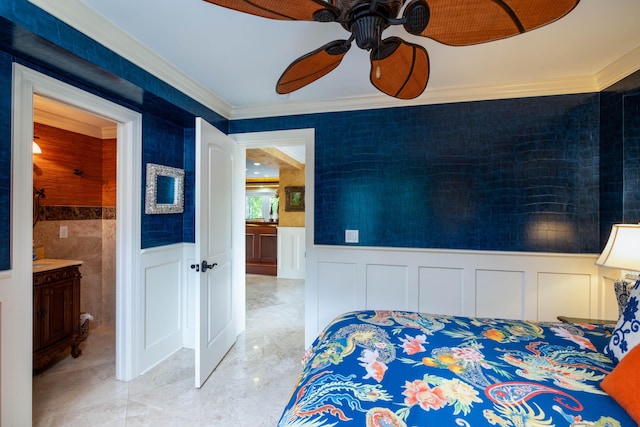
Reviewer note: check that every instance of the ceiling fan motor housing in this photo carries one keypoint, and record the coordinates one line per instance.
(367, 31)
(369, 19)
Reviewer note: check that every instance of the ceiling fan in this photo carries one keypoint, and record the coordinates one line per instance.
(399, 68)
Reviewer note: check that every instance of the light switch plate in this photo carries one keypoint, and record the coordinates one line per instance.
(351, 236)
(64, 231)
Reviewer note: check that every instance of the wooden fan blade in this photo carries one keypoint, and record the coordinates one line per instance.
(310, 67)
(399, 68)
(293, 10)
(467, 22)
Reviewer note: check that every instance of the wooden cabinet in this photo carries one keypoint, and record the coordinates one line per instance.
(56, 314)
(262, 248)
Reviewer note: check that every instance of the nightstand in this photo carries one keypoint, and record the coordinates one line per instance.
(567, 319)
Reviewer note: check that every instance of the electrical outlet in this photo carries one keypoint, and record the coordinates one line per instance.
(351, 236)
(64, 231)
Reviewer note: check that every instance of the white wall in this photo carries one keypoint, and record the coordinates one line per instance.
(291, 252)
(532, 286)
(161, 308)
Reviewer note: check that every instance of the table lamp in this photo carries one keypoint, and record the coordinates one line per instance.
(622, 251)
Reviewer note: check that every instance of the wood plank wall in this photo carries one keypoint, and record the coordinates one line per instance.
(63, 152)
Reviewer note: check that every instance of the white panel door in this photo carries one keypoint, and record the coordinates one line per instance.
(216, 284)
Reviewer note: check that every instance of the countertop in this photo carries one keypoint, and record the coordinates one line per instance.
(46, 264)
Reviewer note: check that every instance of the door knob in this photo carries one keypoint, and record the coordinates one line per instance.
(204, 267)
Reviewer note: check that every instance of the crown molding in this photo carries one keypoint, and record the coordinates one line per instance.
(577, 84)
(619, 69)
(86, 20)
(69, 124)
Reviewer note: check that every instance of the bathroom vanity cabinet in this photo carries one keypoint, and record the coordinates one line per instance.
(56, 310)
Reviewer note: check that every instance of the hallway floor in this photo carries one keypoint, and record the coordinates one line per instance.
(250, 387)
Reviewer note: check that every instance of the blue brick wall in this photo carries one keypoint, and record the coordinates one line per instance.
(514, 175)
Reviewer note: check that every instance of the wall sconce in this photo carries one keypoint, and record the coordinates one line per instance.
(622, 251)
(35, 148)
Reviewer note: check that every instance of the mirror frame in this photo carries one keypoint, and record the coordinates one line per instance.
(151, 206)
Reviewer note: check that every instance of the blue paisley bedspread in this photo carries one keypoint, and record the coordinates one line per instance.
(394, 368)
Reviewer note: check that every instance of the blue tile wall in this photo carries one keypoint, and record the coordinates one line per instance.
(5, 161)
(514, 175)
(163, 144)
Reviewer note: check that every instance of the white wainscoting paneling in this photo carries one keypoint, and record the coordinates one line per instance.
(388, 286)
(532, 286)
(500, 294)
(162, 296)
(189, 297)
(338, 293)
(291, 252)
(162, 283)
(555, 289)
(441, 290)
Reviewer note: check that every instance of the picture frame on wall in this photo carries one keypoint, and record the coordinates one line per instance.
(294, 199)
(164, 193)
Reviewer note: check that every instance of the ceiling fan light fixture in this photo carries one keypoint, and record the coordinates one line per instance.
(339, 48)
(416, 17)
(324, 15)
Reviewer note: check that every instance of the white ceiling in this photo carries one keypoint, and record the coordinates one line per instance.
(231, 61)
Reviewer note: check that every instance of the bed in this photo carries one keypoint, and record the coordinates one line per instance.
(397, 368)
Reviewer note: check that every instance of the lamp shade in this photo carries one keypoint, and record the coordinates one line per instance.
(622, 249)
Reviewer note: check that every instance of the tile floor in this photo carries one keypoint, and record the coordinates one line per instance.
(250, 387)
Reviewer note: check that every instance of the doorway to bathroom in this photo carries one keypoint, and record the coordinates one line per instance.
(74, 182)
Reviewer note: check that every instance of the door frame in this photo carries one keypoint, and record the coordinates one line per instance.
(284, 138)
(27, 82)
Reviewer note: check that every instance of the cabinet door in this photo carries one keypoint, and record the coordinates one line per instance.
(57, 301)
(38, 318)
